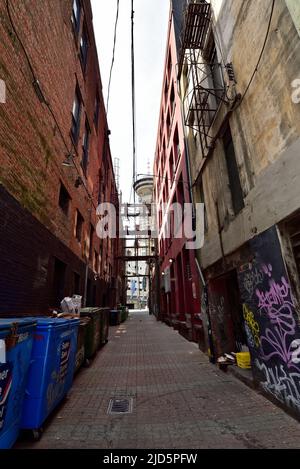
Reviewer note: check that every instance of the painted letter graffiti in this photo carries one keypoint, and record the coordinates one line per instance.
(251, 327)
(251, 280)
(284, 386)
(277, 304)
(273, 332)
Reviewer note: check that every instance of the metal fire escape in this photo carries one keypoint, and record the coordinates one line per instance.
(202, 73)
(139, 246)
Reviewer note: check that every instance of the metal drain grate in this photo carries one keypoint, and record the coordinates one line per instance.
(120, 406)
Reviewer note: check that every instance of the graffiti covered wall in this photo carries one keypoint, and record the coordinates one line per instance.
(271, 321)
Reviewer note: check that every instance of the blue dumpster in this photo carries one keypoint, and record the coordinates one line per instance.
(18, 336)
(51, 371)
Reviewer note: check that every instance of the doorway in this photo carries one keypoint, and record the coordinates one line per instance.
(226, 313)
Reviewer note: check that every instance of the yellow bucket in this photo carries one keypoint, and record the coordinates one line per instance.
(243, 360)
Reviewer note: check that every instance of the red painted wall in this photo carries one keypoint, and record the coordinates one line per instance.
(172, 182)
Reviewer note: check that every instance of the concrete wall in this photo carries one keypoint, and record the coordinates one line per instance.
(265, 127)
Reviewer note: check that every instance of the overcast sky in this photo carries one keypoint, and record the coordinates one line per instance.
(151, 23)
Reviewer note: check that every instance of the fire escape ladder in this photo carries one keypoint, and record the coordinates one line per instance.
(198, 60)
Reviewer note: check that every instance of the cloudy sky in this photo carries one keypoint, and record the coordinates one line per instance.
(151, 23)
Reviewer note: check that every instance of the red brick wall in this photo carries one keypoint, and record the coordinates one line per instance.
(32, 148)
(185, 298)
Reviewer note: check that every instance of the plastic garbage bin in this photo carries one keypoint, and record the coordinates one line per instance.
(81, 340)
(104, 326)
(93, 334)
(18, 337)
(124, 313)
(115, 317)
(51, 371)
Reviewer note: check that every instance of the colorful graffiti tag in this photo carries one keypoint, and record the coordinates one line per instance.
(251, 327)
(270, 320)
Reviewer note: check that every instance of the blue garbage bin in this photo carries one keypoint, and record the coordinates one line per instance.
(51, 371)
(18, 336)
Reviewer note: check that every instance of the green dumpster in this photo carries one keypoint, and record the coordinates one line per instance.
(124, 313)
(84, 327)
(104, 326)
(92, 339)
(115, 317)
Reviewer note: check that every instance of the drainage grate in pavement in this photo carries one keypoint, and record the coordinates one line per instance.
(120, 406)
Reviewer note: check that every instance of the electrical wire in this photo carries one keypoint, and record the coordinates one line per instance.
(260, 55)
(44, 100)
(113, 55)
(133, 98)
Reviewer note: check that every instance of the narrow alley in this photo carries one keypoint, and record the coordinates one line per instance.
(179, 399)
(149, 225)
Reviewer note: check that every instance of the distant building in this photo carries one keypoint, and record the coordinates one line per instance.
(138, 280)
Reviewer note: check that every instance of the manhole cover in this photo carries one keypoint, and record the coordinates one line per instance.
(120, 406)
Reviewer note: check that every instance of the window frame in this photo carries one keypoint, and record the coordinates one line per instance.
(86, 146)
(97, 111)
(76, 119)
(235, 186)
(78, 235)
(83, 51)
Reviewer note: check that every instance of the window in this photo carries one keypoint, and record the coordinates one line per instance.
(166, 91)
(177, 151)
(97, 110)
(79, 226)
(215, 79)
(202, 198)
(76, 284)
(168, 124)
(76, 111)
(76, 14)
(233, 173)
(172, 99)
(84, 45)
(172, 167)
(91, 241)
(85, 146)
(169, 66)
(96, 261)
(64, 199)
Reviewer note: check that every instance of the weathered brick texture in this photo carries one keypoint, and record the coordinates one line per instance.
(33, 147)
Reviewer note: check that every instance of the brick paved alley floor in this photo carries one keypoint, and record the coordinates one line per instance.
(180, 400)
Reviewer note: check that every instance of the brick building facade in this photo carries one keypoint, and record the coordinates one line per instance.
(55, 158)
(180, 304)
